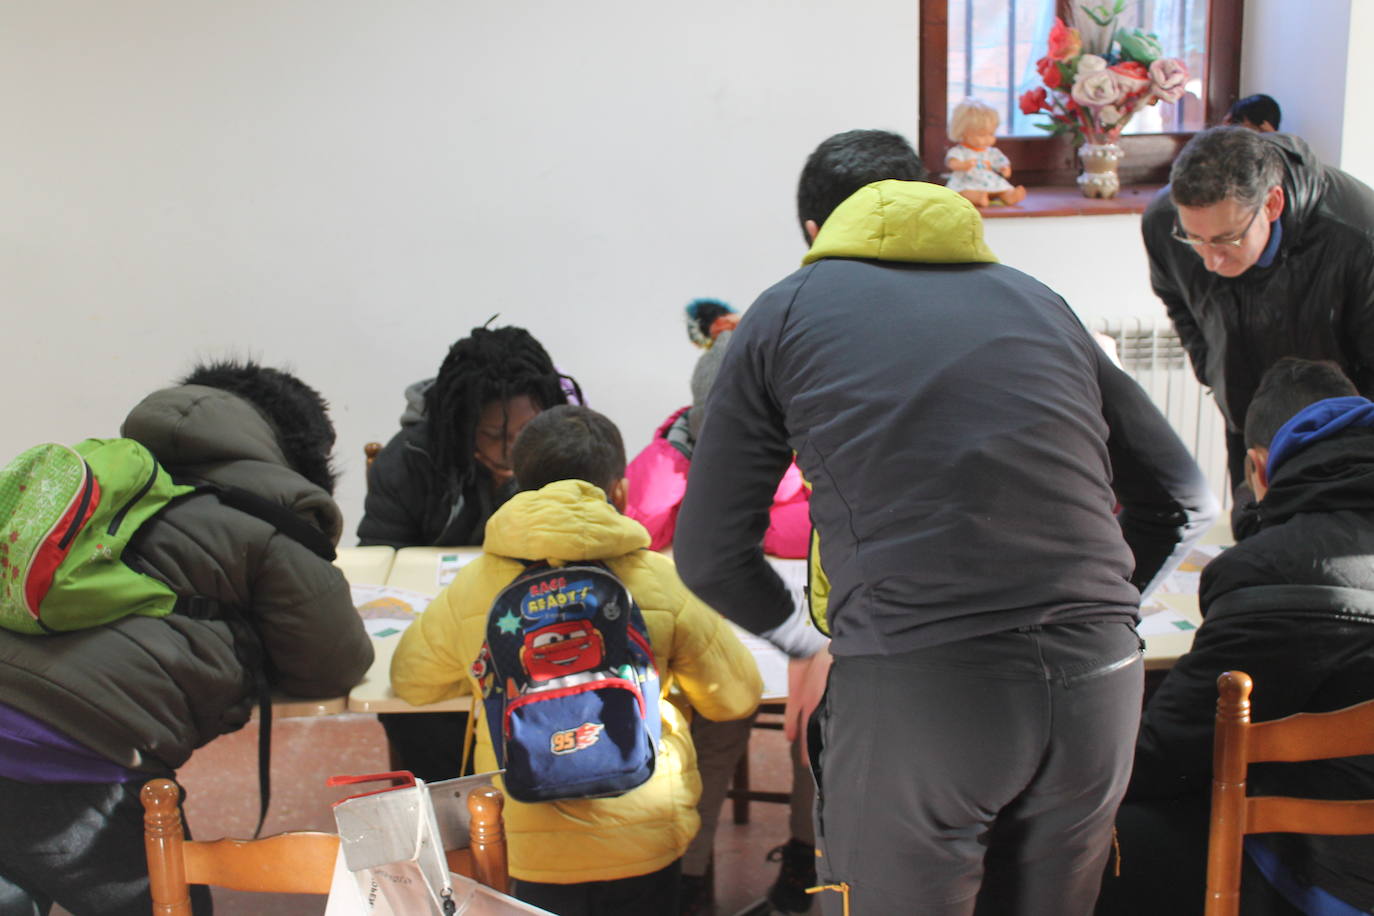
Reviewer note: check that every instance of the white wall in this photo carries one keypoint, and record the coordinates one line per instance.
(348, 186)
(1297, 53)
(1097, 263)
(1357, 136)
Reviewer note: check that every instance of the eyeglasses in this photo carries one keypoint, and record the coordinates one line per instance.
(1232, 241)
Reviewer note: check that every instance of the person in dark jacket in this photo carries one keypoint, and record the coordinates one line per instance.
(1292, 606)
(441, 477)
(1258, 251)
(962, 432)
(1258, 112)
(87, 717)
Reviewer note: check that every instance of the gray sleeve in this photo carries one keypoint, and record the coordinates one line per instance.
(1166, 503)
(740, 456)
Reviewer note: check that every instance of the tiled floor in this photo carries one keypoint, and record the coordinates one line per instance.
(222, 800)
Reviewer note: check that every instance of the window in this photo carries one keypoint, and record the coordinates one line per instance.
(988, 48)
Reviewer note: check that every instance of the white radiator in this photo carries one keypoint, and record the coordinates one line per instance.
(1154, 356)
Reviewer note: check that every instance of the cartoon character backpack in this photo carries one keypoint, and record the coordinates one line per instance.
(569, 686)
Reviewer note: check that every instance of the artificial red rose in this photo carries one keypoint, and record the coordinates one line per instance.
(1033, 100)
(1132, 68)
(1064, 42)
(1049, 72)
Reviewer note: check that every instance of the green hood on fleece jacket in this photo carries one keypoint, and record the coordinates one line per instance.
(903, 221)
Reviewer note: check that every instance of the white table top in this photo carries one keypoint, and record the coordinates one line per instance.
(365, 565)
(426, 569)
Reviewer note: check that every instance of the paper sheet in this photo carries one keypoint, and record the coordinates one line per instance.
(449, 564)
(387, 610)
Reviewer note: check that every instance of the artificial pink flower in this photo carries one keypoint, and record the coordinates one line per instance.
(1169, 77)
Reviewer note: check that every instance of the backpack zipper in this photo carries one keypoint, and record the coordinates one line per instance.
(124, 509)
(619, 683)
(87, 488)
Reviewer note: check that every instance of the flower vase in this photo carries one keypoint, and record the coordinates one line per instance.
(1099, 177)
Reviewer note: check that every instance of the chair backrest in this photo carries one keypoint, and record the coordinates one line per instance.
(370, 451)
(288, 863)
(1238, 742)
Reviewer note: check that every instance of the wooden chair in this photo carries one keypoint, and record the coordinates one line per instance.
(370, 450)
(288, 863)
(742, 791)
(1238, 743)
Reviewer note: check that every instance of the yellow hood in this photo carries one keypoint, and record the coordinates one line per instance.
(567, 520)
(903, 221)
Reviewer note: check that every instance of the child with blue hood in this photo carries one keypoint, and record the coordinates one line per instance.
(1292, 605)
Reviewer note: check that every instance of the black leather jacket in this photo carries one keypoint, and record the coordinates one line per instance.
(1316, 300)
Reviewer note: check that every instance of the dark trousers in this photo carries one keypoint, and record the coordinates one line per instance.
(977, 777)
(79, 845)
(642, 895)
(428, 744)
(1164, 864)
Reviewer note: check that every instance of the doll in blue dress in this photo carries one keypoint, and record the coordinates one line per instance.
(979, 170)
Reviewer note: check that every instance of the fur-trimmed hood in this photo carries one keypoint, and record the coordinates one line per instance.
(212, 435)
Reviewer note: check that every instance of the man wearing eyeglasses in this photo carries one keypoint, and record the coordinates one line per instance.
(1259, 252)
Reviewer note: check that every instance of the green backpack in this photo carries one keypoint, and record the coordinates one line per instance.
(66, 515)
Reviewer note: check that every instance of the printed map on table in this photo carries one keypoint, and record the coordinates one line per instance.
(1156, 614)
(387, 610)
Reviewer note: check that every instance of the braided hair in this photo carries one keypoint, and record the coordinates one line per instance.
(490, 364)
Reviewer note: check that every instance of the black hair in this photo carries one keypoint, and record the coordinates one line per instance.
(298, 415)
(1255, 109)
(1225, 163)
(569, 442)
(490, 364)
(846, 162)
(1286, 388)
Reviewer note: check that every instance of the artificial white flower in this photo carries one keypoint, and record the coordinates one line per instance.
(1096, 89)
(1090, 63)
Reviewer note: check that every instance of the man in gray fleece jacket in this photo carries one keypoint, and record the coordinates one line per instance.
(968, 442)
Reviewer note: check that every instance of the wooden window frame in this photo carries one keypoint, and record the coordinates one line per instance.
(1040, 161)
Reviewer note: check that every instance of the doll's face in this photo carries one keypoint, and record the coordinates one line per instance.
(979, 137)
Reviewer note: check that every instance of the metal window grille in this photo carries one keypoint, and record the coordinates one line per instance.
(993, 46)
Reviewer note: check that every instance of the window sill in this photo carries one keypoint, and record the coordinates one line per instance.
(1069, 201)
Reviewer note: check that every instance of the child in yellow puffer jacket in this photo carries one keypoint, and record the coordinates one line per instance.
(602, 855)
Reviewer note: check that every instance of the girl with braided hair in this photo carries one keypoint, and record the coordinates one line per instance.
(441, 477)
